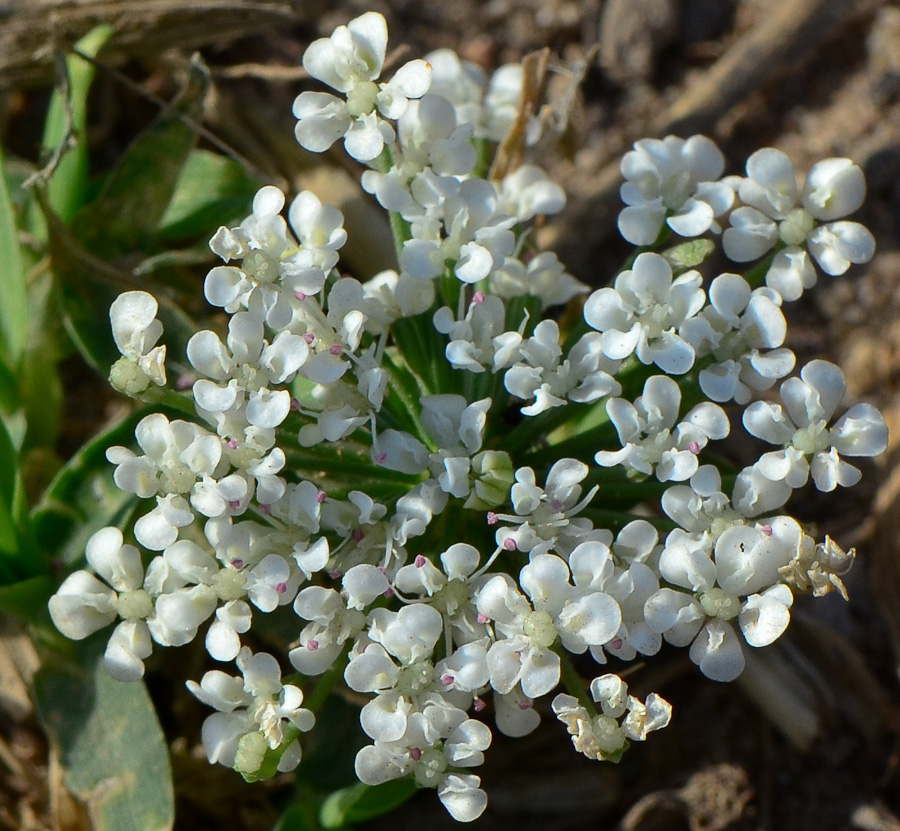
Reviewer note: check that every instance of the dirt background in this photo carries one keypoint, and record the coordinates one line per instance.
(808, 738)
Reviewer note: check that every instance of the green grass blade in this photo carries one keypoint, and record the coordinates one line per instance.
(67, 188)
(14, 308)
(19, 557)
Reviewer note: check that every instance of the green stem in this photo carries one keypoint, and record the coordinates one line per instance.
(532, 428)
(326, 682)
(164, 397)
(400, 228)
(410, 396)
(573, 682)
(616, 520)
(353, 467)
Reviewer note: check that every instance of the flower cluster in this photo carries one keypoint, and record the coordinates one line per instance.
(436, 482)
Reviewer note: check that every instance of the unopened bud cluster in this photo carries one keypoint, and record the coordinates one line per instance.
(436, 478)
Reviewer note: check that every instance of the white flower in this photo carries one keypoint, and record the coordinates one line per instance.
(700, 506)
(476, 238)
(528, 192)
(474, 340)
(671, 181)
(274, 272)
(583, 614)
(651, 441)
(332, 624)
(136, 331)
(643, 312)
(800, 425)
(522, 653)
(585, 376)
(439, 737)
(434, 151)
(545, 518)
(775, 211)
(350, 61)
(602, 736)
(396, 663)
(736, 325)
(740, 582)
(83, 604)
(544, 276)
(256, 713)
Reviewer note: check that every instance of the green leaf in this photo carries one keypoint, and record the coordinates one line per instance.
(83, 497)
(67, 188)
(211, 191)
(109, 742)
(9, 390)
(95, 259)
(689, 254)
(360, 802)
(9, 468)
(125, 217)
(27, 599)
(300, 815)
(19, 556)
(14, 308)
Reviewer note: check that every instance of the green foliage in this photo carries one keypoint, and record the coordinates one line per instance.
(19, 557)
(211, 190)
(359, 802)
(64, 129)
(91, 258)
(83, 497)
(97, 232)
(14, 308)
(109, 742)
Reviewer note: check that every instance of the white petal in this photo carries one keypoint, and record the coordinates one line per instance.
(129, 645)
(640, 224)
(764, 617)
(462, 797)
(82, 605)
(717, 651)
(834, 188)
